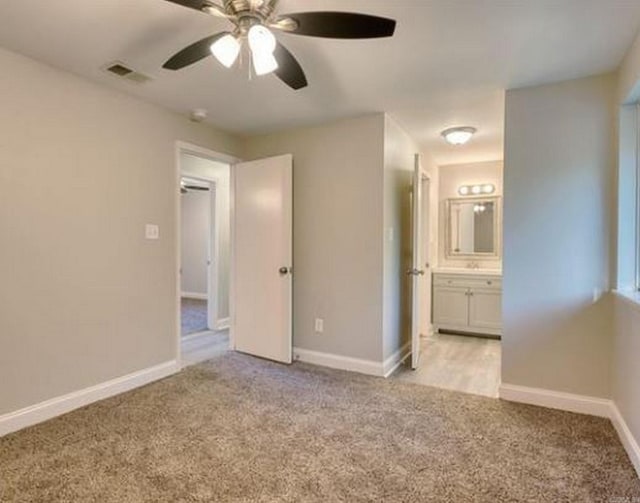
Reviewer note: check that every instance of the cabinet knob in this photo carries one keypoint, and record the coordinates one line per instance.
(489, 282)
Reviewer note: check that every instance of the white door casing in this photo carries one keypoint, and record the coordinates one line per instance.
(212, 266)
(261, 276)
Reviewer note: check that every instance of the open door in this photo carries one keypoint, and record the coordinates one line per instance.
(262, 197)
(417, 270)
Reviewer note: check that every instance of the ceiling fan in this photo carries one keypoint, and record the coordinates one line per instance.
(253, 22)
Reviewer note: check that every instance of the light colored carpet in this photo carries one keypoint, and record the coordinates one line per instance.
(240, 429)
(193, 316)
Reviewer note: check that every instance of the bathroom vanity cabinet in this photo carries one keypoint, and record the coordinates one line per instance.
(469, 302)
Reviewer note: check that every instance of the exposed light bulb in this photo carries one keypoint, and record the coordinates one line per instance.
(488, 188)
(226, 50)
(262, 44)
(476, 189)
(463, 190)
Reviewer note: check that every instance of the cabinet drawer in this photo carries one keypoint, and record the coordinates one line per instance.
(467, 281)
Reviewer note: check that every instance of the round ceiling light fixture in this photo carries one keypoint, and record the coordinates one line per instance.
(458, 135)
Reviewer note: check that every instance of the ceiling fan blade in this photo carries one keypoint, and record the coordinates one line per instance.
(192, 4)
(192, 54)
(289, 70)
(340, 25)
(204, 6)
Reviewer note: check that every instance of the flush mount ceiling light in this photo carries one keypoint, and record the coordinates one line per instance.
(476, 190)
(253, 24)
(458, 135)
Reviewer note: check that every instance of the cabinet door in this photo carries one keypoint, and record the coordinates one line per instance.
(485, 308)
(450, 306)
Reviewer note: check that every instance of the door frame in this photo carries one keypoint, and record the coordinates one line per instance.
(181, 148)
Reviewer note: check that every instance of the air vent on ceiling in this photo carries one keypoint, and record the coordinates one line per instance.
(122, 71)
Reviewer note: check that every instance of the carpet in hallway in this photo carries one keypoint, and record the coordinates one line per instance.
(193, 316)
(240, 429)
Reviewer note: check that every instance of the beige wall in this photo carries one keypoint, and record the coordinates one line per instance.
(337, 235)
(558, 188)
(84, 298)
(451, 177)
(626, 370)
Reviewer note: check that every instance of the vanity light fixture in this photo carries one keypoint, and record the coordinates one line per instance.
(476, 190)
(458, 135)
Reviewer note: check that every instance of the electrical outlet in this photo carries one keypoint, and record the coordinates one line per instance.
(319, 325)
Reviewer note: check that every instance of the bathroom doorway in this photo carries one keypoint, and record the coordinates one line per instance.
(460, 343)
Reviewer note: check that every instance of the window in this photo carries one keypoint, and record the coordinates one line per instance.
(628, 235)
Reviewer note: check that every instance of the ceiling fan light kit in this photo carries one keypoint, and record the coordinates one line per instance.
(254, 21)
(226, 50)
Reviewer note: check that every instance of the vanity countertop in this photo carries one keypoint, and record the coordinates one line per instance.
(467, 270)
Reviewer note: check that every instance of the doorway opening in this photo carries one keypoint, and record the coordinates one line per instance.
(456, 278)
(203, 185)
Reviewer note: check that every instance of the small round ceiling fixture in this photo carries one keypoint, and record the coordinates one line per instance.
(458, 135)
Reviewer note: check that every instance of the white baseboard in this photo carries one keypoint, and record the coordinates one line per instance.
(49, 409)
(368, 367)
(396, 359)
(626, 437)
(556, 400)
(223, 323)
(194, 295)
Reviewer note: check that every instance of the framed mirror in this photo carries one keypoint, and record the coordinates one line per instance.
(473, 227)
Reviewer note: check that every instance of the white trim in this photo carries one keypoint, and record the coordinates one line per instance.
(626, 437)
(54, 407)
(223, 323)
(368, 367)
(194, 295)
(395, 360)
(556, 400)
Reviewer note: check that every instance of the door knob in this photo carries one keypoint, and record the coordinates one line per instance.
(284, 271)
(415, 272)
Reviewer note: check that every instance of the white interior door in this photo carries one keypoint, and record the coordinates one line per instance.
(426, 279)
(262, 258)
(417, 267)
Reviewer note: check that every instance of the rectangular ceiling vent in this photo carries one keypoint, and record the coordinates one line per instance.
(120, 70)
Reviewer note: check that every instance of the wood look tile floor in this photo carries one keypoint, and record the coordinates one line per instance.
(457, 362)
(204, 346)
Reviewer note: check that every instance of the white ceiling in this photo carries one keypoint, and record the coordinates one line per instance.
(448, 63)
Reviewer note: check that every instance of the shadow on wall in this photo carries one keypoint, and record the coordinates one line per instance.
(557, 334)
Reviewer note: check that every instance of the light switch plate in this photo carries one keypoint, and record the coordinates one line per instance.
(152, 231)
(319, 325)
